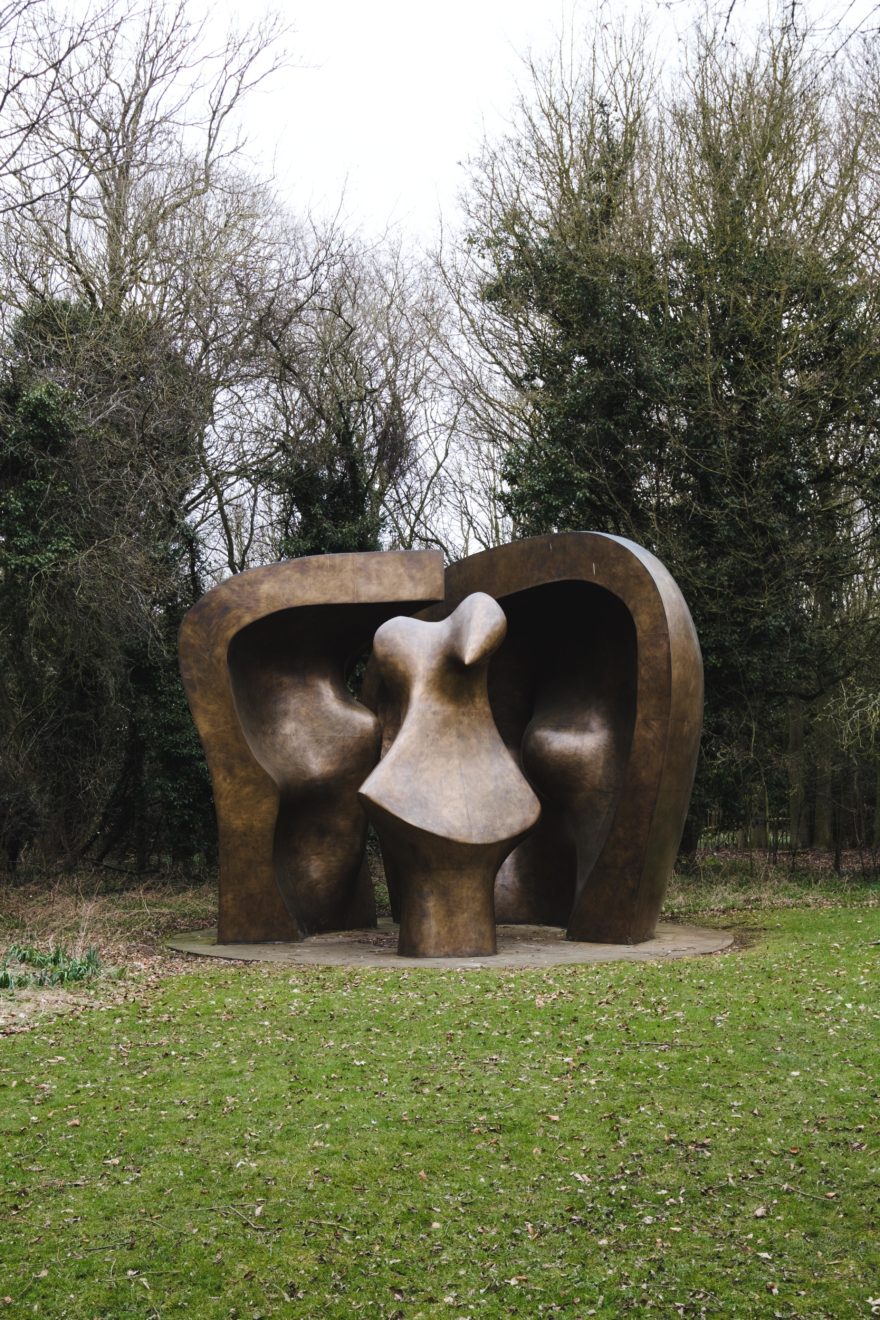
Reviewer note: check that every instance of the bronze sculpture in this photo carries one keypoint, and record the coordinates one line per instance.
(599, 688)
(448, 800)
(596, 690)
(262, 658)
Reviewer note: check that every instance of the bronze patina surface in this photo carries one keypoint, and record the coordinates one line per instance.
(595, 690)
(263, 660)
(448, 799)
(598, 690)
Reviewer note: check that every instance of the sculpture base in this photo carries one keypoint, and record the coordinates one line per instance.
(519, 948)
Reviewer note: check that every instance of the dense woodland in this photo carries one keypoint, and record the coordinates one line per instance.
(658, 318)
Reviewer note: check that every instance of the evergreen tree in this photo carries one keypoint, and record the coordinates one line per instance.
(96, 455)
(677, 291)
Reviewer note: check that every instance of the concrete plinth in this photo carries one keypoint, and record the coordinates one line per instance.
(518, 946)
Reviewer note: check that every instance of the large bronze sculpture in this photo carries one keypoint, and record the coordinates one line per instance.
(595, 692)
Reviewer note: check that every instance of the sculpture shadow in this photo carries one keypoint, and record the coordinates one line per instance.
(562, 688)
(288, 675)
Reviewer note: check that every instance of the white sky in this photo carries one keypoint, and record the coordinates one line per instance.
(392, 94)
(386, 98)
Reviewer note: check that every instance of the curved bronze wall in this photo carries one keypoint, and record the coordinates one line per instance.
(311, 615)
(612, 683)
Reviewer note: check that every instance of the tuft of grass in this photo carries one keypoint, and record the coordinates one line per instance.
(126, 923)
(24, 967)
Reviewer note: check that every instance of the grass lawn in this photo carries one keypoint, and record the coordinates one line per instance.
(695, 1138)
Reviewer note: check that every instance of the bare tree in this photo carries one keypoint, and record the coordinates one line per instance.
(353, 419)
(34, 73)
(132, 249)
(108, 189)
(206, 382)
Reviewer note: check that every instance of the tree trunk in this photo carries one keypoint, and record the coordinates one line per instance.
(758, 831)
(823, 818)
(797, 833)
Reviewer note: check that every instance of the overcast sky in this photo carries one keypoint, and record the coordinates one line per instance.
(391, 95)
(386, 98)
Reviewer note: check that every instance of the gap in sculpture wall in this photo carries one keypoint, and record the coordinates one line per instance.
(563, 692)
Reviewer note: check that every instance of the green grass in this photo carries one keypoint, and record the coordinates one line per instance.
(693, 1138)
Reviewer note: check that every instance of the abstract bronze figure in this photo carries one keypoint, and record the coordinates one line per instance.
(591, 692)
(448, 800)
(263, 662)
(598, 690)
